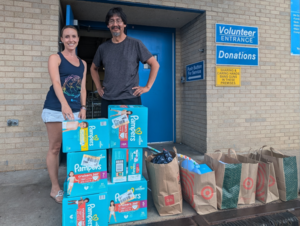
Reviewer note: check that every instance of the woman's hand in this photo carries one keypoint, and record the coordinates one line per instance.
(67, 112)
(82, 114)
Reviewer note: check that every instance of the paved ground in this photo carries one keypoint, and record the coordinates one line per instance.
(24, 197)
(25, 201)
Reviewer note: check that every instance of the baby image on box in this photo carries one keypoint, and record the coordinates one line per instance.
(80, 202)
(71, 181)
(73, 125)
(111, 209)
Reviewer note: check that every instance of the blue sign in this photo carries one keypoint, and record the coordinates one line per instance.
(195, 71)
(236, 55)
(295, 27)
(235, 34)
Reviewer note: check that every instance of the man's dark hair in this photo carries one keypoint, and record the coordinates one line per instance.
(116, 11)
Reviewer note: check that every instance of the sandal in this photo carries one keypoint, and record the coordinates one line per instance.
(59, 194)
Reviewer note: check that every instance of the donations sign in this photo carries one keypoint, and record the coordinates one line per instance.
(236, 55)
(295, 27)
(228, 76)
(235, 34)
(195, 71)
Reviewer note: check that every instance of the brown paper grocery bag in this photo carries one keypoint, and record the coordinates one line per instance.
(286, 173)
(248, 178)
(228, 176)
(199, 190)
(165, 185)
(266, 185)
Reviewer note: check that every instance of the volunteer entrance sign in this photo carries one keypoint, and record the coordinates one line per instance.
(295, 27)
(195, 71)
(236, 55)
(235, 34)
(228, 76)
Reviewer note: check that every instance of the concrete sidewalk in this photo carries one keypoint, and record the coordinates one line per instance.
(25, 200)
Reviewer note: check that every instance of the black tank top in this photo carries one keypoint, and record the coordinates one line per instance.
(70, 79)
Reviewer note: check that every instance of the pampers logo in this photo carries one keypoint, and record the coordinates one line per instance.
(133, 119)
(140, 188)
(90, 214)
(91, 135)
(78, 168)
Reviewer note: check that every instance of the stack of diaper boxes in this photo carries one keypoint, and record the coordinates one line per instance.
(128, 126)
(91, 196)
(85, 200)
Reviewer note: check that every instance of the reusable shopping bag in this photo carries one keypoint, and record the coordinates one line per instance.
(165, 185)
(248, 178)
(228, 177)
(286, 173)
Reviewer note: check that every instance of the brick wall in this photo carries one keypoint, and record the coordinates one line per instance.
(28, 35)
(264, 110)
(193, 101)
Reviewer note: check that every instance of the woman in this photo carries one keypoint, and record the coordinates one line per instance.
(66, 99)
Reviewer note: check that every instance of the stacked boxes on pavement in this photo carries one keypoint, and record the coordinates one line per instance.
(95, 147)
(128, 126)
(85, 198)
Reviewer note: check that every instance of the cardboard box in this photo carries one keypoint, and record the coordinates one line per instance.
(127, 201)
(86, 173)
(117, 162)
(85, 135)
(135, 164)
(87, 210)
(128, 126)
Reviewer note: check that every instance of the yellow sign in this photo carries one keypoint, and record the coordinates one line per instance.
(228, 76)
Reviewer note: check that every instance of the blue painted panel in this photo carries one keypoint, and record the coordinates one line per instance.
(235, 34)
(236, 55)
(295, 27)
(195, 71)
(159, 99)
(69, 16)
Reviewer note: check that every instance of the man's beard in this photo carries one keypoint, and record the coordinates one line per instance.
(116, 34)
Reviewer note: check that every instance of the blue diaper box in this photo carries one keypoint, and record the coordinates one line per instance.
(117, 161)
(128, 126)
(86, 210)
(135, 164)
(85, 135)
(127, 201)
(204, 168)
(86, 173)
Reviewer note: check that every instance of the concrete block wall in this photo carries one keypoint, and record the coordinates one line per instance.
(265, 109)
(28, 35)
(193, 101)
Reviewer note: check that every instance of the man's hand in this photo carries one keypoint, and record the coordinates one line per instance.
(140, 90)
(100, 91)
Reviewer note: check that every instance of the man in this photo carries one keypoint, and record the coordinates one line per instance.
(120, 57)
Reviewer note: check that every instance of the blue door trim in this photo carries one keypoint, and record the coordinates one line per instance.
(146, 5)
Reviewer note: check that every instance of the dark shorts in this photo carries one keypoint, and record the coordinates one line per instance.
(106, 103)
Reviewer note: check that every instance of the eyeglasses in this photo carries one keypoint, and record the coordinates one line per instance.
(117, 21)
